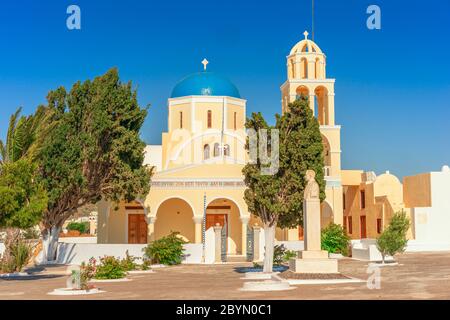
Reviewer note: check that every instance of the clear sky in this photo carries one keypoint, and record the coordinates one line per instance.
(392, 85)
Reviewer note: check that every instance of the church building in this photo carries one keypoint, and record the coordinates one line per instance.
(199, 163)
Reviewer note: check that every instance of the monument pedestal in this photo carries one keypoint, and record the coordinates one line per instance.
(312, 259)
(315, 261)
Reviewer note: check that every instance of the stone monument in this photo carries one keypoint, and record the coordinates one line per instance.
(312, 259)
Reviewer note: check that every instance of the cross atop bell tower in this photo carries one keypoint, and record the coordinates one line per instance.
(204, 63)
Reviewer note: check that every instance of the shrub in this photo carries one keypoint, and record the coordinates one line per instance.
(281, 254)
(31, 233)
(393, 239)
(19, 255)
(109, 268)
(87, 272)
(167, 250)
(289, 254)
(146, 264)
(82, 227)
(334, 239)
(128, 263)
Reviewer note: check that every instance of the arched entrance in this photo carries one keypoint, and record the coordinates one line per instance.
(226, 213)
(175, 215)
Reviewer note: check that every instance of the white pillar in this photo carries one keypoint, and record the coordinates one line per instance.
(245, 221)
(218, 243)
(151, 229)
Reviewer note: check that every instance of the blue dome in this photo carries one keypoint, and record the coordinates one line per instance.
(205, 84)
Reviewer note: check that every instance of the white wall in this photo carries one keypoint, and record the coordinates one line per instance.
(76, 253)
(432, 224)
(292, 245)
(77, 239)
(2, 248)
(210, 243)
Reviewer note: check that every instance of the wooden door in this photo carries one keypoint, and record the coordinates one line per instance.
(363, 227)
(213, 219)
(301, 235)
(137, 228)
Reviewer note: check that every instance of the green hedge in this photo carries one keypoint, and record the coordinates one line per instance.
(82, 227)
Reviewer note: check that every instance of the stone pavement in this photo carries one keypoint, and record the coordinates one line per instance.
(419, 276)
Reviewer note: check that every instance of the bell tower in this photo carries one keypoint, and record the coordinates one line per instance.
(306, 75)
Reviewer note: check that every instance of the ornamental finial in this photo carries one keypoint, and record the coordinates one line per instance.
(306, 34)
(205, 63)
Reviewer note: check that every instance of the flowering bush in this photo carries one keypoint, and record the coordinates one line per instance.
(128, 263)
(109, 268)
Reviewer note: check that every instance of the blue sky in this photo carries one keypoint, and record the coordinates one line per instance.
(392, 85)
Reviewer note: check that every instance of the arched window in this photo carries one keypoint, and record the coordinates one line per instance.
(206, 151)
(235, 121)
(181, 120)
(226, 150)
(209, 119)
(216, 150)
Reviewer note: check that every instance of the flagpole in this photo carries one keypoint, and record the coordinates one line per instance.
(312, 14)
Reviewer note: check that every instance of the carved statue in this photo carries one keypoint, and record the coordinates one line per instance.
(312, 190)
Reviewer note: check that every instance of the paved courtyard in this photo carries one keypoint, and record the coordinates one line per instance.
(419, 276)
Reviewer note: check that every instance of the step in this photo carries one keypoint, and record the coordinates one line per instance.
(236, 258)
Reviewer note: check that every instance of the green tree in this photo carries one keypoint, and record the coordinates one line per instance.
(93, 151)
(393, 239)
(22, 198)
(22, 201)
(277, 199)
(23, 136)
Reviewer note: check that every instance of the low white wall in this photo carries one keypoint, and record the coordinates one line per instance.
(292, 245)
(366, 250)
(76, 253)
(78, 240)
(210, 250)
(424, 246)
(193, 253)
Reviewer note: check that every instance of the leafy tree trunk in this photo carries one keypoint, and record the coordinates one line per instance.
(50, 238)
(12, 235)
(269, 238)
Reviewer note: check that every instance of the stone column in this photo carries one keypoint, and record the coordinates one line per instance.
(311, 69)
(256, 244)
(151, 229)
(244, 235)
(330, 107)
(218, 243)
(198, 228)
